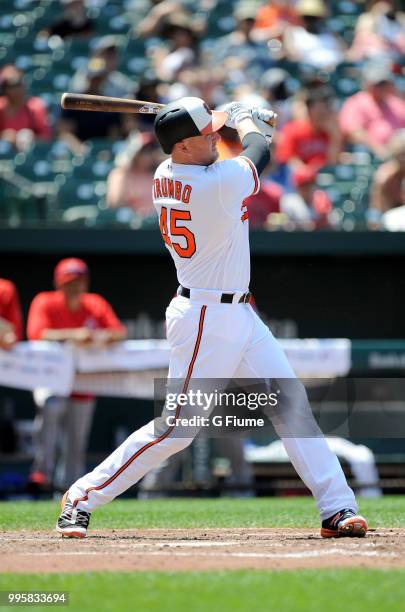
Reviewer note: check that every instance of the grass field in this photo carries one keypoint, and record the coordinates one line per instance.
(387, 511)
(240, 591)
(352, 590)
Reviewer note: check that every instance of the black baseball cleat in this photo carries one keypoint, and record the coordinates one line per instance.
(345, 523)
(72, 522)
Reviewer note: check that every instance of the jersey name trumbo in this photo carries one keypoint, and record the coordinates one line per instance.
(168, 188)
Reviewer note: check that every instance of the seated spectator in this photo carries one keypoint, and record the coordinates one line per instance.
(182, 37)
(278, 92)
(20, 112)
(272, 18)
(68, 314)
(115, 84)
(10, 315)
(129, 183)
(155, 21)
(148, 88)
(74, 22)
(240, 48)
(312, 43)
(371, 116)
(379, 32)
(388, 189)
(308, 208)
(205, 83)
(314, 140)
(77, 127)
(266, 202)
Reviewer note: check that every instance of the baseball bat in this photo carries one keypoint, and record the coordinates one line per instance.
(106, 104)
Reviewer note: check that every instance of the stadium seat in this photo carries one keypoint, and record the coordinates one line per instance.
(93, 170)
(7, 40)
(134, 60)
(85, 214)
(122, 217)
(74, 193)
(19, 205)
(49, 82)
(7, 155)
(44, 161)
(150, 222)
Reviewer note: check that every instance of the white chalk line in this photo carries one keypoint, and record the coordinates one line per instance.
(243, 555)
(126, 543)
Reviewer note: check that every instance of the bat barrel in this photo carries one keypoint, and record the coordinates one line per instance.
(106, 104)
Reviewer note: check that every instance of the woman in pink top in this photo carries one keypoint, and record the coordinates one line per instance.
(372, 116)
(379, 31)
(129, 183)
(19, 112)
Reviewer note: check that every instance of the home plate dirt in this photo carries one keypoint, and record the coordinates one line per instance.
(197, 549)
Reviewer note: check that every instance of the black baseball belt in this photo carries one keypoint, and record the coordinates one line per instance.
(226, 298)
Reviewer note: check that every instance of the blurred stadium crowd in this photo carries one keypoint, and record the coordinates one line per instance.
(333, 70)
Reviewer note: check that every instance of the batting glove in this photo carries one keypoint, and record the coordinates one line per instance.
(236, 113)
(265, 120)
(264, 114)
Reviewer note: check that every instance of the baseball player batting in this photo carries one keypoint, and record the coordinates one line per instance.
(212, 330)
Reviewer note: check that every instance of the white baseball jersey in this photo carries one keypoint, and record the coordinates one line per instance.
(204, 221)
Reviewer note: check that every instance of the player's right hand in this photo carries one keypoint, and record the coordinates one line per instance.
(264, 114)
(265, 120)
(236, 113)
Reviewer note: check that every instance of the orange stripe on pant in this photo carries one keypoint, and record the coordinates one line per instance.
(169, 430)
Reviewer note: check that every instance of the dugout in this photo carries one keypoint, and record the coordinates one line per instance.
(324, 284)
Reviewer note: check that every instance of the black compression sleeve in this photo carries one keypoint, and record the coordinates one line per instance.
(256, 148)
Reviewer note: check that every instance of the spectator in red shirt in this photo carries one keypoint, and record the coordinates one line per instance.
(372, 116)
(266, 202)
(273, 17)
(314, 140)
(11, 328)
(68, 314)
(308, 208)
(19, 112)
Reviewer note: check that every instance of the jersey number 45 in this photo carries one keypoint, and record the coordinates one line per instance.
(182, 250)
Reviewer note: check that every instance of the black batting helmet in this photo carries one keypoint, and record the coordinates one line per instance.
(186, 118)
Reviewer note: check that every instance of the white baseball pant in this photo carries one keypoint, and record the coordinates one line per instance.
(213, 340)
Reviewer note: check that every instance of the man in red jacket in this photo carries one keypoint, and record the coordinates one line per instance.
(11, 328)
(69, 314)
